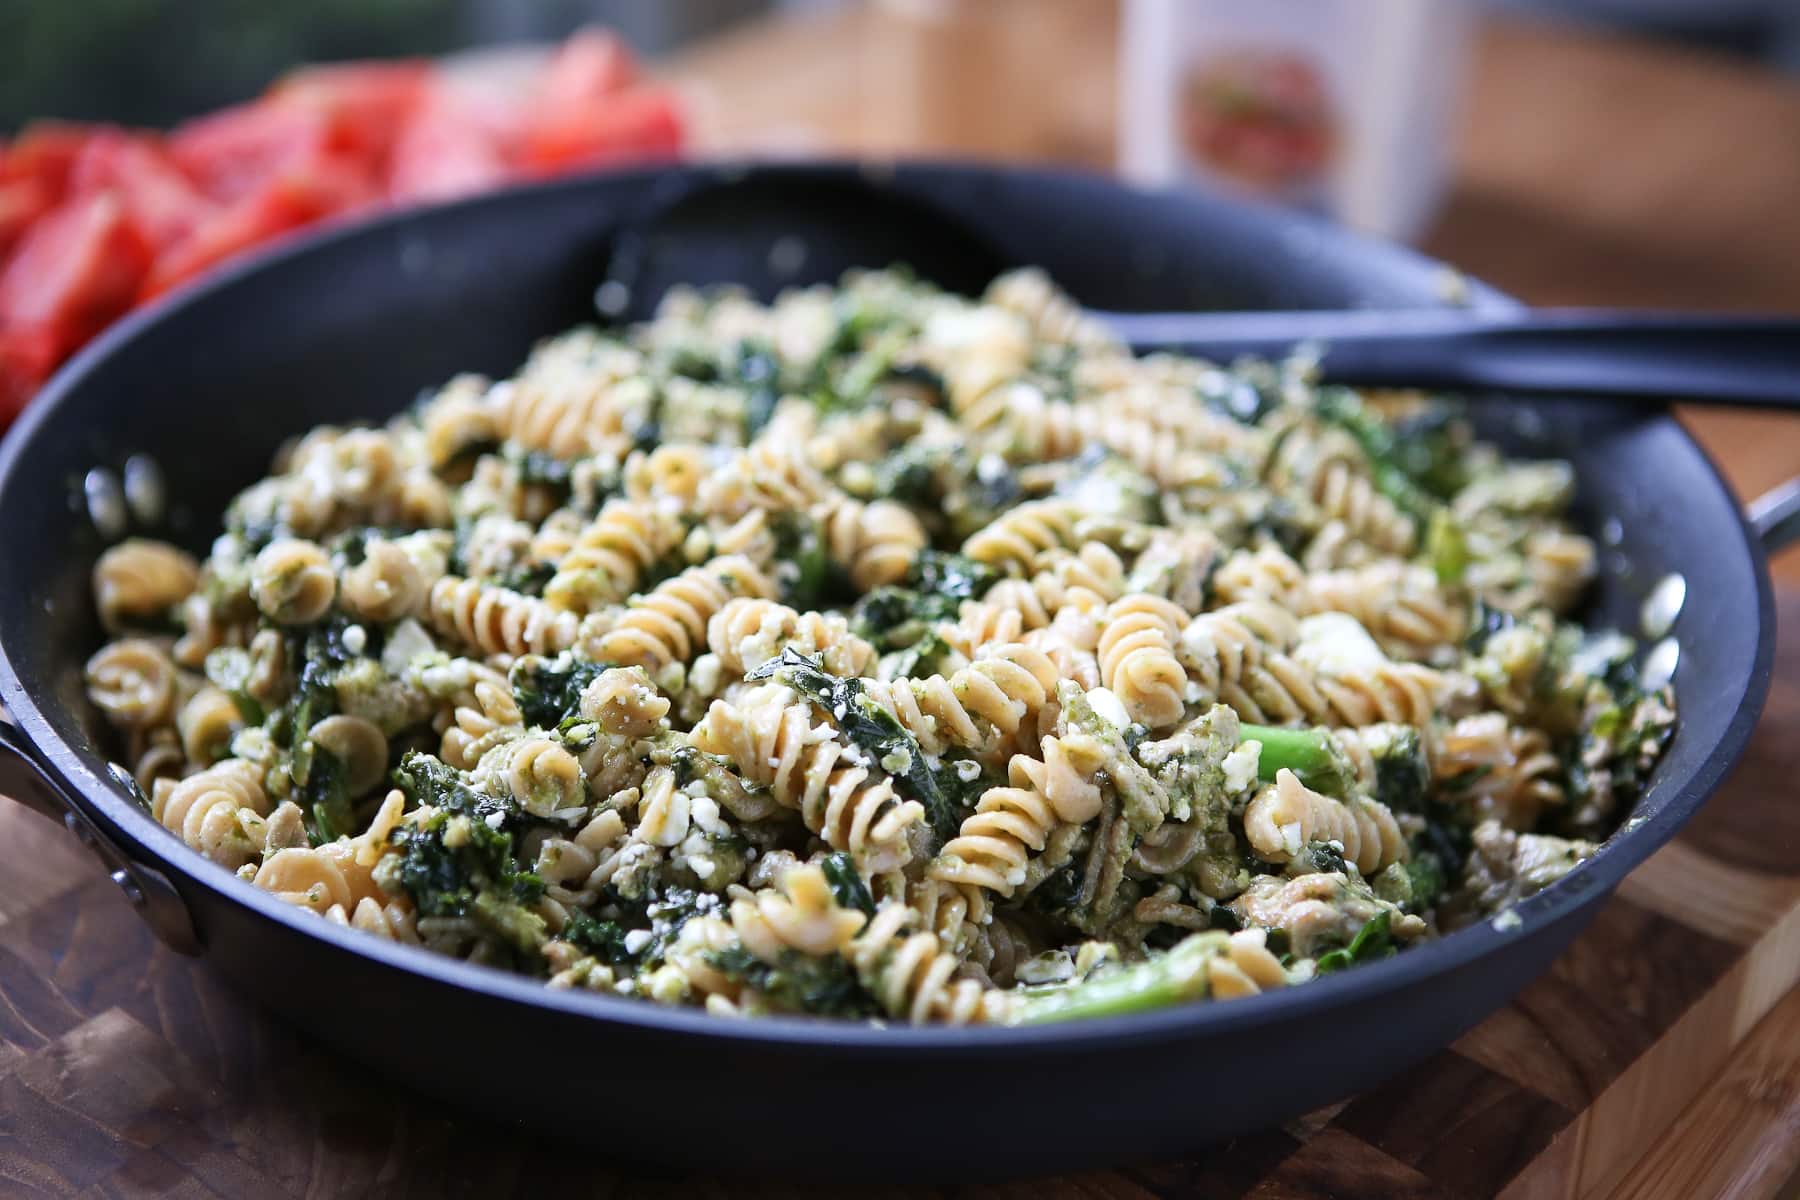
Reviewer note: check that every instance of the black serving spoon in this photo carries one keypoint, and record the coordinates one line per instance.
(759, 229)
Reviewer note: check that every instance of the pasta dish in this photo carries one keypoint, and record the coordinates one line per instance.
(886, 654)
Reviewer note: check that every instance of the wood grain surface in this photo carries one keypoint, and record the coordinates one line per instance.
(1659, 1057)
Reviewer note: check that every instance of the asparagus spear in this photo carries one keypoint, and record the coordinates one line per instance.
(1170, 978)
(1311, 754)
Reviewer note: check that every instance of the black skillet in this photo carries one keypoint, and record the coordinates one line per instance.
(353, 324)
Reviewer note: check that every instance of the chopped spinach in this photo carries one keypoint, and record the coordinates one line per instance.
(1371, 942)
(846, 884)
(548, 691)
(825, 987)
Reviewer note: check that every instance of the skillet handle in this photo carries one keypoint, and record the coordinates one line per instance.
(30, 781)
(1775, 516)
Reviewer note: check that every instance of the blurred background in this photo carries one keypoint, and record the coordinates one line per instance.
(1609, 152)
(153, 62)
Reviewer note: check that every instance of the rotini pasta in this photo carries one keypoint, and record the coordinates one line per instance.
(884, 654)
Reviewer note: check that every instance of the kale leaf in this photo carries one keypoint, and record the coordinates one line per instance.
(548, 691)
(846, 884)
(1371, 942)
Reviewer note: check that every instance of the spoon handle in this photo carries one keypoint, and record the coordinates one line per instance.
(1703, 359)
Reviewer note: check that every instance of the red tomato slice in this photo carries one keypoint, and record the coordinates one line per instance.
(454, 144)
(285, 204)
(590, 65)
(643, 123)
(44, 152)
(161, 200)
(77, 269)
(235, 151)
(22, 201)
(364, 104)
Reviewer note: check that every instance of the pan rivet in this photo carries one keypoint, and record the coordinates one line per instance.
(787, 255)
(129, 886)
(105, 503)
(76, 826)
(144, 490)
(611, 298)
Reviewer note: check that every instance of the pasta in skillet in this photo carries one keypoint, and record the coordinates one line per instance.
(885, 654)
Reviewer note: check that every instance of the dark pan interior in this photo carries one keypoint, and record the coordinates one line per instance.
(357, 324)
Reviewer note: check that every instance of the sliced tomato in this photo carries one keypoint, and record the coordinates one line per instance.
(235, 151)
(363, 104)
(74, 271)
(454, 144)
(22, 201)
(642, 123)
(158, 197)
(44, 152)
(286, 203)
(590, 65)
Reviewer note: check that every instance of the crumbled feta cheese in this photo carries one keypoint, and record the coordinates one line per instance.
(495, 819)
(897, 761)
(967, 770)
(707, 674)
(1052, 966)
(636, 940)
(1241, 765)
(701, 866)
(1336, 644)
(1108, 707)
(356, 639)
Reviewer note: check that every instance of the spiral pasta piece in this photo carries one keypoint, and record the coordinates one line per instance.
(1137, 658)
(218, 811)
(490, 718)
(1287, 815)
(913, 977)
(1012, 541)
(766, 476)
(800, 914)
(1499, 769)
(292, 582)
(496, 620)
(669, 624)
(385, 586)
(669, 473)
(542, 776)
(623, 701)
(577, 395)
(874, 543)
(1011, 823)
(140, 580)
(1330, 470)
(358, 745)
(337, 879)
(607, 559)
(804, 767)
(207, 723)
(749, 631)
(1244, 967)
(1050, 315)
(1007, 693)
(134, 682)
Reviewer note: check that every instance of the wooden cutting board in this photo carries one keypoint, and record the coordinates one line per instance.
(1637, 1066)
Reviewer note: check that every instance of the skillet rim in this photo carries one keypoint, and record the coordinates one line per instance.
(97, 795)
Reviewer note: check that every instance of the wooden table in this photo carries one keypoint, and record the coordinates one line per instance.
(1661, 1056)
